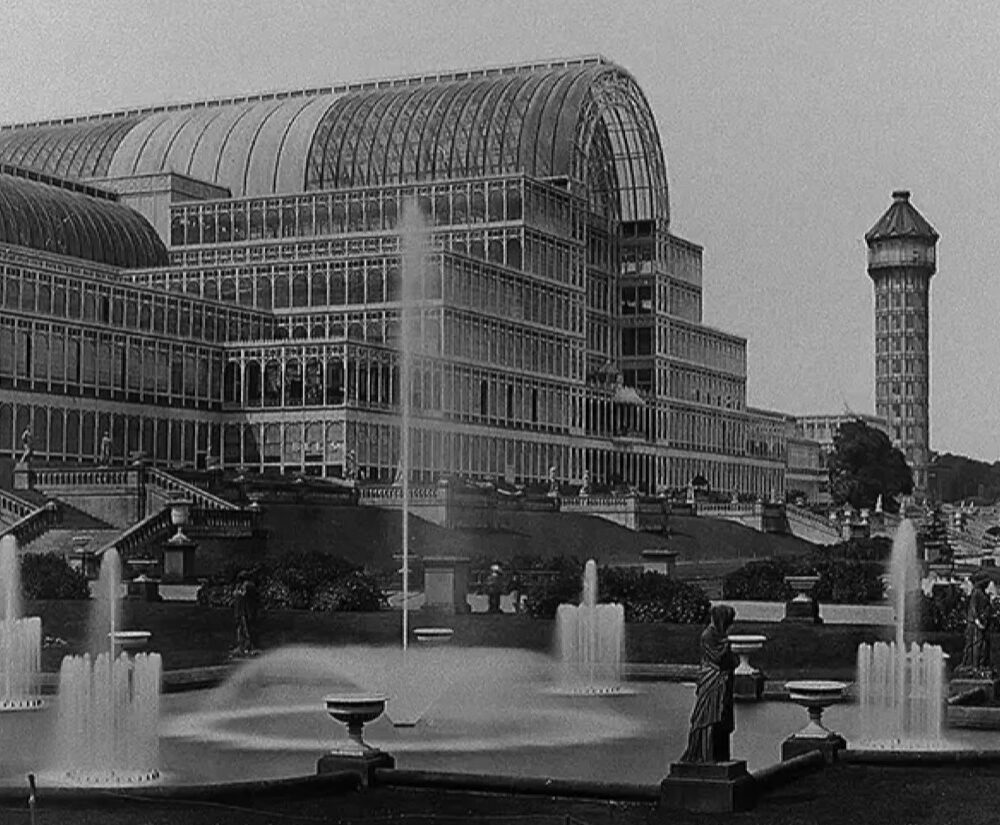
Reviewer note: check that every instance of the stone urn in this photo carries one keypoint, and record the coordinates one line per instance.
(432, 636)
(815, 695)
(355, 710)
(180, 517)
(748, 681)
(802, 607)
(355, 755)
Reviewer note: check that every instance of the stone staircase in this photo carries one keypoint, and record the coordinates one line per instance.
(68, 535)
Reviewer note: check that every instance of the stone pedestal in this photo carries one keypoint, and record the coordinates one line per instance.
(178, 559)
(748, 687)
(142, 589)
(659, 561)
(828, 745)
(806, 611)
(712, 787)
(446, 584)
(363, 764)
(23, 476)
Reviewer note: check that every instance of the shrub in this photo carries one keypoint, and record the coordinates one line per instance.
(561, 584)
(300, 581)
(760, 581)
(653, 597)
(49, 576)
(646, 597)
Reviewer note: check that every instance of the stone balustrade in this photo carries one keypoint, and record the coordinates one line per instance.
(178, 488)
(32, 525)
(151, 529)
(88, 477)
(15, 507)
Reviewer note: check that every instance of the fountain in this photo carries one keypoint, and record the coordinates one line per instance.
(590, 639)
(20, 638)
(901, 689)
(109, 705)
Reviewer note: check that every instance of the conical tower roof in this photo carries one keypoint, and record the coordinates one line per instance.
(901, 220)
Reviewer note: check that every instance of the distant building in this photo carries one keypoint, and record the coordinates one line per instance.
(901, 261)
(223, 281)
(823, 427)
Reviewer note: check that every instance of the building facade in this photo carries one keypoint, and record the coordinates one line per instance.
(901, 261)
(267, 257)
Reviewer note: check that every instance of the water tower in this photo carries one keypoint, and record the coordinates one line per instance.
(901, 261)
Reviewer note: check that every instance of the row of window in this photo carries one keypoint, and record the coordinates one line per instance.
(123, 307)
(107, 363)
(707, 349)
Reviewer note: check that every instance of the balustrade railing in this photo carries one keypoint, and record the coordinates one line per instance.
(89, 477)
(215, 519)
(177, 487)
(15, 507)
(152, 528)
(395, 493)
(31, 526)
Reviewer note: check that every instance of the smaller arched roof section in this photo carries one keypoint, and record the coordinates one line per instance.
(69, 221)
(587, 123)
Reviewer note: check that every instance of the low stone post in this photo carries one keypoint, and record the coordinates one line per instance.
(178, 552)
(803, 607)
(446, 584)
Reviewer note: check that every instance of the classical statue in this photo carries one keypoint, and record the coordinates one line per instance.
(585, 486)
(245, 608)
(712, 718)
(976, 655)
(105, 454)
(27, 445)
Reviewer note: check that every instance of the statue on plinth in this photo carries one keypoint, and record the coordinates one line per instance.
(585, 486)
(712, 720)
(976, 655)
(553, 482)
(105, 455)
(27, 445)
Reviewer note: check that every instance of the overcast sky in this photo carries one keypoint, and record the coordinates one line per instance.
(786, 126)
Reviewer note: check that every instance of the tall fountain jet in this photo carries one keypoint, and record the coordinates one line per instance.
(107, 729)
(590, 638)
(413, 245)
(20, 638)
(901, 689)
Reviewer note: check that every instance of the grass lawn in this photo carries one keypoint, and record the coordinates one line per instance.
(842, 793)
(188, 635)
(372, 536)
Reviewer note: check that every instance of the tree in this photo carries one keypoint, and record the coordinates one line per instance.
(864, 465)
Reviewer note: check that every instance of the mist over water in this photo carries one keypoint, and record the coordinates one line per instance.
(10, 579)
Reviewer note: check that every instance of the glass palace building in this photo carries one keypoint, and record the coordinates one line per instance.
(222, 281)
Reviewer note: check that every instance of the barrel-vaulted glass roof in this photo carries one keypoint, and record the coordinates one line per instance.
(584, 120)
(42, 213)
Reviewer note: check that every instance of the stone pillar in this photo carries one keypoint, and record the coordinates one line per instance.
(24, 478)
(446, 584)
(178, 552)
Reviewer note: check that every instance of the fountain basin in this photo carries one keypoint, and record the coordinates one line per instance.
(130, 639)
(433, 635)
